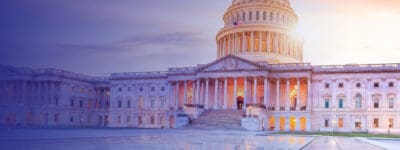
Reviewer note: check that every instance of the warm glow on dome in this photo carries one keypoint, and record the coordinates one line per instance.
(260, 31)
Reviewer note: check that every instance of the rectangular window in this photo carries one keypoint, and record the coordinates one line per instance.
(271, 16)
(376, 85)
(140, 121)
(129, 104)
(326, 103)
(119, 104)
(341, 103)
(80, 103)
(391, 84)
(71, 103)
(358, 85)
(357, 125)
(326, 85)
(376, 122)
(391, 121)
(326, 122)
(119, 119)
(152, 120)
(376, 103)
(341, 85)
(391, 103)
(250, 16)
(128, 119)
(340, 123)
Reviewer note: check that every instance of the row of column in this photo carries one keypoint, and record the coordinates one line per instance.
(201, 92)
(29, 92)
(259, 41)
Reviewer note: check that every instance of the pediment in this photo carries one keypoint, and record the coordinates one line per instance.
(230, 63)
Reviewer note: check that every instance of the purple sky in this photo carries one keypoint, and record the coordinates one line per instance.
(99, 37)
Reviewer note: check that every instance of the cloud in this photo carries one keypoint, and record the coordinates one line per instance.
(142, 42)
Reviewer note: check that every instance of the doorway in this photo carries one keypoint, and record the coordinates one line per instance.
(240, 102)
(171, 121)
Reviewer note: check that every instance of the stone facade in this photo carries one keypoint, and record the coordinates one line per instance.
(277, 95)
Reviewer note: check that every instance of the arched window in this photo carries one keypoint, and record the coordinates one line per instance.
(257, 15)
(358, 101)
(264, 15)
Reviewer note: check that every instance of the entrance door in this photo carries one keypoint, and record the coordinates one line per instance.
(240, 102)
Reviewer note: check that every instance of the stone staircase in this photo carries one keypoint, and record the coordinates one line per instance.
(219, 119)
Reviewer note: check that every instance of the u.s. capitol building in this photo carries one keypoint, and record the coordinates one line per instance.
(258, 82)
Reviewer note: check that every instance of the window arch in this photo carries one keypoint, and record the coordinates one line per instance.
(358, 101)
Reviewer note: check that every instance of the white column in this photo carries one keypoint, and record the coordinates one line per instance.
(276, 43)
(201, 94)
(269, 42)
(234, 43)
(185, 93)
(287, 102)
(225, 93)
(244, 43)
(223, 47)
(252, 42)
(245, 92)
(266, 92)
(228, 40)
(197, 101)
(216, 94)
(298, 95)
(176, 95)
(260, 42)
(194, 92)
(278, 105)
(255, 91)
(235, 93)
(309, 94)
(206, 96)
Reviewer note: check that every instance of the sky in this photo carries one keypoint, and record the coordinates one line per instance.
(99, 37)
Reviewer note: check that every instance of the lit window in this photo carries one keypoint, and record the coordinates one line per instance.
(391, 121)
(340, 123)
(376, 122)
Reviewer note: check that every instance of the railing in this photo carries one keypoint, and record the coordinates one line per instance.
(182, 69)
(256, 106)
(139, 74)
(357, 67)
(195, 106)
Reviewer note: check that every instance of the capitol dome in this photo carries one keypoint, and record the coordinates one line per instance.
(260, 31)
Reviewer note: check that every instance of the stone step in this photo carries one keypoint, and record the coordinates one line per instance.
(222, 119)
